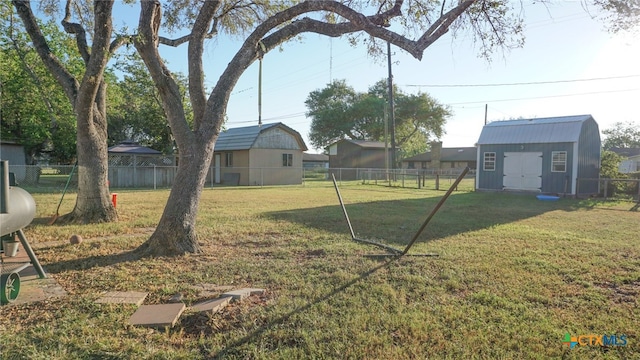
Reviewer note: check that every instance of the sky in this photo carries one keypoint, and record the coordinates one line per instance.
(569, 65)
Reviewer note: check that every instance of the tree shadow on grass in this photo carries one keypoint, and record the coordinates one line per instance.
(235, 348)
(90, 262)
(397, 221)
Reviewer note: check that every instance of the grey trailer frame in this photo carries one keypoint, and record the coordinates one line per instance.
(393, 251)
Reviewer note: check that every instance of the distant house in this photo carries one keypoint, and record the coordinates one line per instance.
(15, 154)
(130, 153)
(270, 154)
(310, 161)
(351, 155)
(546, 155)
(440, 158)
(631, 159)
(133, 165)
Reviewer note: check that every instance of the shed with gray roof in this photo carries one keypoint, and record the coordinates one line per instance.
(268, 154)
(555, 155)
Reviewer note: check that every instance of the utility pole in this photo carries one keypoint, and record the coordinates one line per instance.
(391, 110)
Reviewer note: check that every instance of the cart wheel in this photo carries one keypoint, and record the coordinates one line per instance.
(9, 288)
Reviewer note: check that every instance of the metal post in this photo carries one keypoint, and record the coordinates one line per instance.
(32, 255)
(435, 209)
(391, 110)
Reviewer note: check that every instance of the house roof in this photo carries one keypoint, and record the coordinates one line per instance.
(528, 131)
(315, 157)
(243, 138)
(130, 147)
(626, 152)
(448, 154)
(364, 143)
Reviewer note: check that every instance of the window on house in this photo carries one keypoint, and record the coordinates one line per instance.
(412, 165)
(229, 159)
(489, 161)
(558, 161)
(287, 159)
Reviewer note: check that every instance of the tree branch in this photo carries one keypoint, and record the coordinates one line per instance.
(196, 72)
(78, 30)
(69, 84)
(147, 45)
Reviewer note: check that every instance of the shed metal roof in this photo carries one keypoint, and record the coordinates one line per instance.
(243, 138)
(530, 131)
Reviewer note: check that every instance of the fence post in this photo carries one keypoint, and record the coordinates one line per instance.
(154, 177)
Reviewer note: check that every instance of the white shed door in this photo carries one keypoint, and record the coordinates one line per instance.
(522, 171)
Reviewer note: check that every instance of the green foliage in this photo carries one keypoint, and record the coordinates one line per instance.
(35, 111)
(339, 112)
(609, 162)
(622, 135)
(621, 15)
(135, 110)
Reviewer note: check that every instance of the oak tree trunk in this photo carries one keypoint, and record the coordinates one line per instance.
(176, 231)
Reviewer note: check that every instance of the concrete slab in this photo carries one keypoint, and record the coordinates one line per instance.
(212, 287)
(122, 297)
(213, 305)
(255, 291)
(157, 316)
(241, 294)
(238, 295)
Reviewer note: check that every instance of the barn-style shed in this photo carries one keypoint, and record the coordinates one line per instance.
(547, 155)
(268, 154)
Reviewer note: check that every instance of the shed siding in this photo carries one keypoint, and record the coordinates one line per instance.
(552, 182)
(276, 138)
(270, 170)
(589, 157)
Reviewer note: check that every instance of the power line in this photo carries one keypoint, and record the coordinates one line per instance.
(544, 97)
(526, 83)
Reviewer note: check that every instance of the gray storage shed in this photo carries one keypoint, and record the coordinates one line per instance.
(546, 155)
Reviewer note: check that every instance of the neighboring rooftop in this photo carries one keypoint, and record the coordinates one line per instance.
(448, 154)
(243, 138)
(315, 157)
(626, 152)
(131, 147)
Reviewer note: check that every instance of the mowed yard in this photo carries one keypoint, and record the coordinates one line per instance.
(513, 276)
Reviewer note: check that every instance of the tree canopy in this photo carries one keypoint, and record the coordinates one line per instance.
(622, 135)
(338, 112)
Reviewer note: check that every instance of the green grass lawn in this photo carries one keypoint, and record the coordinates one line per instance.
(514, 276)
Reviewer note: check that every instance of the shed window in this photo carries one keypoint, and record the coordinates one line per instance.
(489, 161)
(558, 161)
(287, 159)
(412, 165)
(228, 159)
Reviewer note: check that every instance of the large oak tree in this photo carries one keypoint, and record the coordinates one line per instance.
(87, 96)
(409, 25)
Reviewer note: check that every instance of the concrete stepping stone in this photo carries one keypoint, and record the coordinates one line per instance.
(241, 294)
(157, 316)
(213, 305)
(123, 297)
